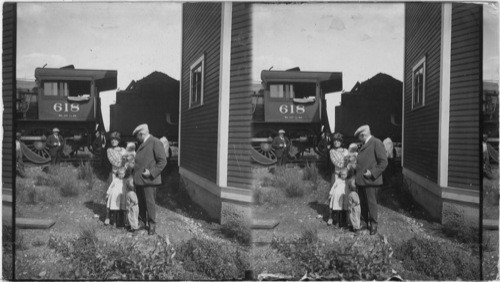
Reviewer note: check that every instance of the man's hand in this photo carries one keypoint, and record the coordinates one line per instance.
(367, 174)
(146, 173)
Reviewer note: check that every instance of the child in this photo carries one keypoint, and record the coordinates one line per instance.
(129, 156)
(132, 205)
(115, 199)
(351, 157)
(337, 205)
(354, 207)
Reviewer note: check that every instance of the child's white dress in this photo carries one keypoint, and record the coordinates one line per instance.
(337, 194)
(115, 194)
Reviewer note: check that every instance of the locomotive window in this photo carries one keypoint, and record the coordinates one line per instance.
(64, 89)
(304, 90)
(290, 91)
(196, 81)
(281, 91)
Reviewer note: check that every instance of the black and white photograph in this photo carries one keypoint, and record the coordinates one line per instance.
(250, 141)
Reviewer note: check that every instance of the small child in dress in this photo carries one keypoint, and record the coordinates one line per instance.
(336, 198)
(115, 198)
(132, 205)
(354, 207)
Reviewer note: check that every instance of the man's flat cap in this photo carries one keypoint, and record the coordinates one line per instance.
(362, 128)
(140, 128)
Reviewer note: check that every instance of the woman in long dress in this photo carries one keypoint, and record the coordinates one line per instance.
(337, 155)
(115, 155)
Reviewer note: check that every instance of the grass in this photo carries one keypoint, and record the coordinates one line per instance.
(90, 258)
(461, 232)
(86, 172)
(7, 252)
(214, 259)
(350, 259)
(238, 230)
(438, 260)
(311, 173)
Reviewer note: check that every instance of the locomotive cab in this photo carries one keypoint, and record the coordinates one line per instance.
(66, 98)
(292, 100)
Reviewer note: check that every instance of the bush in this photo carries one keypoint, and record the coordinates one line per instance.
(455, 228)
(238, 230)
(28, 193)
(438, 260)
(294, 190)
(86, 172)
(91, 259)
(349, 260)
(214, 259)
(310, 173)
(69, 188)
(270, 195)
(309, 236)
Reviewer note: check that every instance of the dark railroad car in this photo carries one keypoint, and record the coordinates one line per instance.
(153, 100)
(292, 100)
(66, 98)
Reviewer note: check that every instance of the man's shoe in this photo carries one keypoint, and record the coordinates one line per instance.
(330, 221)
(373, 230)
(106, 221)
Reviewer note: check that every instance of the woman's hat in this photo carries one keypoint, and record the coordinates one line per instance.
(338, 137)
(114, 135)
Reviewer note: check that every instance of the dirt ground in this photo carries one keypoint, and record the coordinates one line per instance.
(35, 260)
(398, 223)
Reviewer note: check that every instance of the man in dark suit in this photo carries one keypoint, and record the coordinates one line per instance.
(150, 160)
(281, 146)
(371, 163)
(55, 143)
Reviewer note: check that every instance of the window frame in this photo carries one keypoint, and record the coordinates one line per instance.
(199, 62)
(420, 63)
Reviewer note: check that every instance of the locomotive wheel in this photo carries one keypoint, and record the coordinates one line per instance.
(36, 151)
(263, 152)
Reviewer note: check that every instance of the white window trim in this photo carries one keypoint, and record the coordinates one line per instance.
(193, 65)
(417, 65)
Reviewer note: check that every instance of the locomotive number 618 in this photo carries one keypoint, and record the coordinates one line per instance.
(292, 109)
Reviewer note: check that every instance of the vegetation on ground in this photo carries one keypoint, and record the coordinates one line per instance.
(438, 260)
(214, 259)
(346, 260)
(7, 252)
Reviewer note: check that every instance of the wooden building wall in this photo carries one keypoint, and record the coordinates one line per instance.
(465, 95)
(8, 90)
(421, 126)
(240, 110)
(199, 126)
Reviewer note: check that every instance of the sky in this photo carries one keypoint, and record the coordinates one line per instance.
(359, 40)
(133, 38)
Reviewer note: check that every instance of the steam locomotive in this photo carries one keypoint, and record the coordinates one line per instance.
(66, 98)
(292, 100)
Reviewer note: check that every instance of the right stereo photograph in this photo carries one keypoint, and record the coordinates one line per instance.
(375, 141)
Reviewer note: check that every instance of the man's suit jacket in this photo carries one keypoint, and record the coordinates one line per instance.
(150, 155)
(52, 144)
(277, 148)
(372, 157)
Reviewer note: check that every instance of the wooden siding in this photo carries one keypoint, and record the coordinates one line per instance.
(8, 94)
(421, 126)
(465, 95)
(201, 35)
(240, 111)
